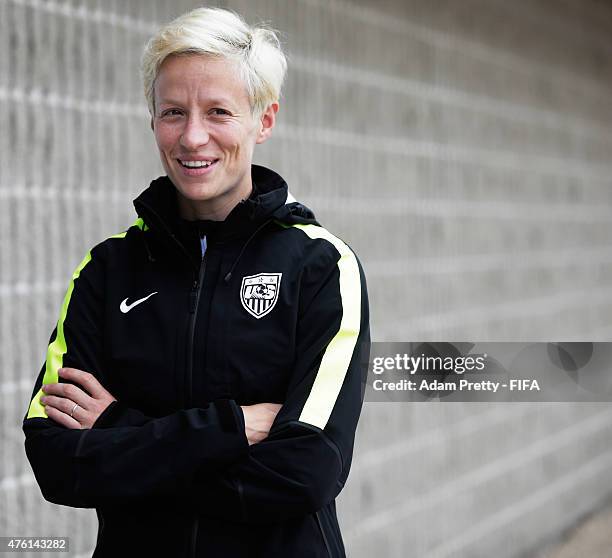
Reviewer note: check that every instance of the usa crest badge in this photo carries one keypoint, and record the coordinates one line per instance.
(259, 293)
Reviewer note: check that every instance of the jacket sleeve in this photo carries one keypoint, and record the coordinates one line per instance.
(127, 455)
(304, 462)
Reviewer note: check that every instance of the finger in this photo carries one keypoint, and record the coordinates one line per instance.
(68, 391)
(62, 418)
(64, 405)
(85, 379)
(60, 403)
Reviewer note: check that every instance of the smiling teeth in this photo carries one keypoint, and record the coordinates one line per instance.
(196, 164)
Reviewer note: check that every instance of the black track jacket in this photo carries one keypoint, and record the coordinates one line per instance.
(275, 311)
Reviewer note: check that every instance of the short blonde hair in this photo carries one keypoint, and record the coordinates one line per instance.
(219, 32)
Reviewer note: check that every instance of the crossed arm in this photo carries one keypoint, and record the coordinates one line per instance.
(80, 406)
(259, 463)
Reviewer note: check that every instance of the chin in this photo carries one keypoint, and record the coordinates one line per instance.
(197, 193)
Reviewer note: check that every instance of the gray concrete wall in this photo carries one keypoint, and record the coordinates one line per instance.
(462, 149)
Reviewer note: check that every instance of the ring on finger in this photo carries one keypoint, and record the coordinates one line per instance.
(73, 410)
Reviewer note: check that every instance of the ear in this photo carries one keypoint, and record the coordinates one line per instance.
(266, 123)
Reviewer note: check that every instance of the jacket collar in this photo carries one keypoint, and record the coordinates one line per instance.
(158, 207)
(269, 201)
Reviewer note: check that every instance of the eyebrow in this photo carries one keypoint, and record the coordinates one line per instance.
(213, 101)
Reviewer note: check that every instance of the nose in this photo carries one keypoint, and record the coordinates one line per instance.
(195, 134)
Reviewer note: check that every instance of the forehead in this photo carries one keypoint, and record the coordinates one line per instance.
(203, 77)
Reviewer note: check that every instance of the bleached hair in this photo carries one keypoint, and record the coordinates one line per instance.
(219, 32)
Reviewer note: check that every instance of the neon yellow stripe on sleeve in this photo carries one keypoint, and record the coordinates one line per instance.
(338, 354)
(57, 349)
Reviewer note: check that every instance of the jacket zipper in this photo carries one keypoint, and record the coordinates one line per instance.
(323, 535)
(194, 301)
(194, 536)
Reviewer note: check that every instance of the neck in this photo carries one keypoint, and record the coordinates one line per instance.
(212, 210)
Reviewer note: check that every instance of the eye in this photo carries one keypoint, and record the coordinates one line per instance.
(171, 112)
(220, 112)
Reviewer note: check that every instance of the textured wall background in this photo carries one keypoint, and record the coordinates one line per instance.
(462, 148)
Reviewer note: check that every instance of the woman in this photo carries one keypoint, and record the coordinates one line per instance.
(203, 384)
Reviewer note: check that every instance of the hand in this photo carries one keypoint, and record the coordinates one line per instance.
(71, 406)
(258, 420)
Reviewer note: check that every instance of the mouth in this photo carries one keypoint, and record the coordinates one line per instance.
(197, 164)
(193, 167)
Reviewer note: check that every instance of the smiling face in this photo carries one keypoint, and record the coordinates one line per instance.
(206, 134)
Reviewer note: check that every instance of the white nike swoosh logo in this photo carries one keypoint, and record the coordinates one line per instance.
(125, 307)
